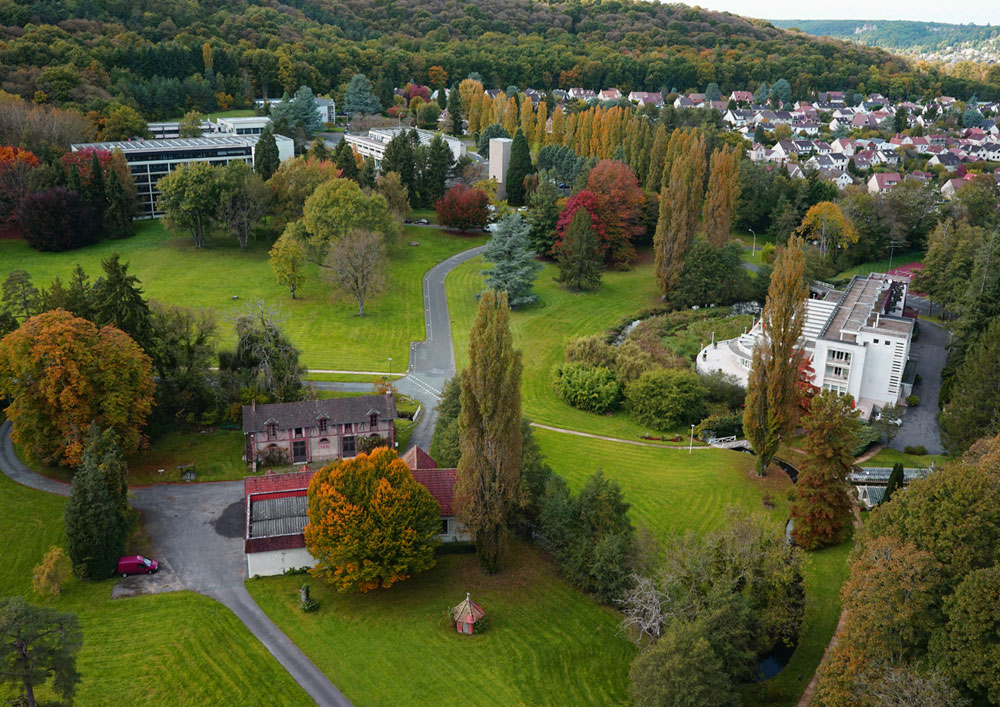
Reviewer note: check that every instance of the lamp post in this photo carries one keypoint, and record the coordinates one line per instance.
(390, 366)
(753, 250)
(691, 443)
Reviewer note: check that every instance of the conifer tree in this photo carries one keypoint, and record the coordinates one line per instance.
(117, 300)
(821, 512)
(514, 267)
(343, 157)
(94, 193)
(579, 254)
(895, 482)
(265, 157)
(399, 158)
(771, 391)
(367, 176)
(542, 216)
(94, 531)
(359, 98)
(118, 209)
(972, 409)
(723, 191)
(489, 469)
(518, 168)
(454, 111)
(440, 161)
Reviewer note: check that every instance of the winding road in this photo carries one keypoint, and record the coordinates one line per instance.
(197, 529)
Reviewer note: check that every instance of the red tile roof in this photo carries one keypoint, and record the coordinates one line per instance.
(416, 458)
(271, 483)
(441, 484)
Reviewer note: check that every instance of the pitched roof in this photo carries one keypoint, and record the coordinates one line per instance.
(441, 484)
(416, 458)
(305, 413)
(275, 483)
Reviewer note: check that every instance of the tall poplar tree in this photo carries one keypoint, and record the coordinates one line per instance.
(821, 511)
(680, 202)
(772, 391)
(518, 168)
(265, 157)
(723, 191)
(489, 469)
(454, 111)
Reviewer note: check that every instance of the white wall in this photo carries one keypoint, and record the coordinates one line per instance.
(274, 562)
(499, 160)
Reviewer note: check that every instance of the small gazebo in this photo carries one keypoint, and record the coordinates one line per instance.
(466, 614)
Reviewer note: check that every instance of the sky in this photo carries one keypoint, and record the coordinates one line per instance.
(955, 11)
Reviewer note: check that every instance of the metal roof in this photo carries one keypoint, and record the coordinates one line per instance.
(278, 516)
(180, 143)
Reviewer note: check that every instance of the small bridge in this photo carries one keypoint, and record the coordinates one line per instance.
(729, 443)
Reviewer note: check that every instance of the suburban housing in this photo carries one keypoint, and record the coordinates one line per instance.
(316, 430)
(276, 514)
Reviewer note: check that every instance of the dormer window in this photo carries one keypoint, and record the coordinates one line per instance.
(272, 430)
(322, 425)
(373, 420)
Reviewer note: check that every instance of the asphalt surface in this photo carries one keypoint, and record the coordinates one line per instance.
(920, 424)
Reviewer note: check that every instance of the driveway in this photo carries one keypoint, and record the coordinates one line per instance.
(920, 425)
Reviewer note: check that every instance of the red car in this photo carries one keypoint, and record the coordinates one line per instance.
(136, 564)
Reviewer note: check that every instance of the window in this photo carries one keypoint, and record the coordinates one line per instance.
(298, 431)
(373, 420)
(444, 526)
(324, 443)
(322, 425)
(299, 451)
(887, 342)
(874, 341)
(348, 447)
(272, 431)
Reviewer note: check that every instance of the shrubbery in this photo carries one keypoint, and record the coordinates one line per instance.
(721, 426)
(723, 388)
(867, 436)
(591, 389)
(666, 398)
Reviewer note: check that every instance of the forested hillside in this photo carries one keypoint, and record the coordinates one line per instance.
(170, 55)
(899, 35)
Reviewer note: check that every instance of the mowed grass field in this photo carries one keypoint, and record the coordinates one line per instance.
(541, 331)
(173, 649)
(544, 643)
(329, 333)
(673, 492)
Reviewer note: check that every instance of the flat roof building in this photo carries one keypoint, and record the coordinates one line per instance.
(149, 160)
(374, 143)
(857, 339)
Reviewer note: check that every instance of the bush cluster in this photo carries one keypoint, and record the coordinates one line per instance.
(591, 389)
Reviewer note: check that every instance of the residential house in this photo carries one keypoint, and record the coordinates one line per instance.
(316, 430)
(947, 160)
(738, 118)
(609, 94)
(644, 98)
(951, 187)
(581, 94)
(883, 182)
(741, 96)
(844, 146)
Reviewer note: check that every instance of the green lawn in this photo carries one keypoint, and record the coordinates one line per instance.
(234, 113)
(882, 265)
(544, 643)
(349, 377)
(888, 456)
(330, 334)
(542, 330)
(179, 648)
(672, 492)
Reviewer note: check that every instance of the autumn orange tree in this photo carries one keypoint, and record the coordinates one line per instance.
(371, 524)
(63, 373)
(822, 508)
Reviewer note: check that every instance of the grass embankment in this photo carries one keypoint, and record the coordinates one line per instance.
(544, 643)
(888, 456)
(542, 331)
(898, 259)
(673, 492)
(330, 334)
(179, 648)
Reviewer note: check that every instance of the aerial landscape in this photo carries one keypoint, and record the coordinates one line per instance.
(498, 353)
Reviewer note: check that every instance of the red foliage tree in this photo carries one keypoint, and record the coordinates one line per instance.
(807, 389)
(15, 165)
(412, 90)
(583, 199)
(81, 160)
(463, 208)
(619, 203)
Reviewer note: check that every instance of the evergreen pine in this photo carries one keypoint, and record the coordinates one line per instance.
(513, 260)
(319, 150)
(822, 509)
(517, 170)
(489, 470)
(454, 111)
(366, 177)
(974, 395)
(579, 255)
(94, 531)
(118, 209)
(96, 195)
(304, 112)
(343, 157)
(117, 300)
(895, 481)
(80, 295)
(772, 393)
(542, 216)
(440, 162)
(265, 156)
(399, 158)
(358, 97)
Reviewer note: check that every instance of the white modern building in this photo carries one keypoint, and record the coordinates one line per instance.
(253, 125)
(325, 107)
(857, 340)
(149, 160)
(499, 161)
(374, 143)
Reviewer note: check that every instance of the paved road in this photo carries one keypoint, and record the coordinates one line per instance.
(920, 425)
(197, 534)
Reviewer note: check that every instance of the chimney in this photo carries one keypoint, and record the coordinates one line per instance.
(253, 404)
